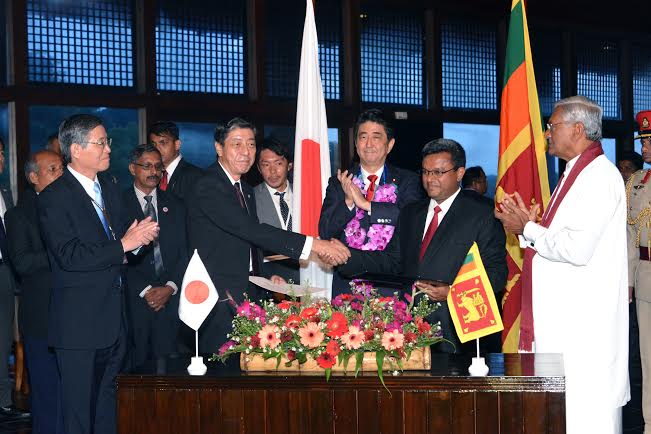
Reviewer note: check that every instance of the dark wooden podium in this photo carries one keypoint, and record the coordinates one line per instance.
(524, 393)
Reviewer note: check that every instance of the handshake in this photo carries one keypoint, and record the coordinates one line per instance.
(332, 252)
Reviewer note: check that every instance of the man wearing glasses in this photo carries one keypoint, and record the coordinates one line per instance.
(155, 275)
(434, 235)
(638, 195)
(87, 234)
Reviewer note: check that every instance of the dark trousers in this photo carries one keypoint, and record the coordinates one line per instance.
(7, 306)
(47, 416)
(88, 387)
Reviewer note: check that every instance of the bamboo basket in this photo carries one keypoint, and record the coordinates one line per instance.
(421, 359)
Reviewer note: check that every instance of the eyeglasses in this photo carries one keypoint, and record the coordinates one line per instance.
(550, 127)
(436, 172)
(149, 166)
(103, 143)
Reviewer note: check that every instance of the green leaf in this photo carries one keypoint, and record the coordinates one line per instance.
(379, 360)
(359, 357)
(279, 358)
(327, 373)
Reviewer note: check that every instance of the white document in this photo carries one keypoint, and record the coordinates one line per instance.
(287, 289)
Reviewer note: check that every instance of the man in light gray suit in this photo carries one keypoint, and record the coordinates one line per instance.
(273, 201)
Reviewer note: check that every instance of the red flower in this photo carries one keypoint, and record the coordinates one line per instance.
(424, 327)
(255, 341)
(385, 299)
(310, 314)
(293, 321)
(326, 360)
(291, 355)
(333, 348)
(369, 335)
(337, 325)
(286, 304)
(286, 336)
(409, 337)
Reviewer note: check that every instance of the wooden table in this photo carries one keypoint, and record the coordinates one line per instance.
(524, 393)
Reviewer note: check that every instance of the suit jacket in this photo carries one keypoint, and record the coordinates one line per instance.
(468, 220)
(335, 214)
(9, 203)
(174, 251)
(86, 305)
(223, 233)
(29, 260)
(266, 209)
(183, 179)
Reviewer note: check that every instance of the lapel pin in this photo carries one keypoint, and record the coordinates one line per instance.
(165, 209)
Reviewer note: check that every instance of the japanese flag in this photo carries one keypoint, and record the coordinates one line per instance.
(198, 294)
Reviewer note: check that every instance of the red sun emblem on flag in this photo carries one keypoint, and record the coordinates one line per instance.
(196, 292)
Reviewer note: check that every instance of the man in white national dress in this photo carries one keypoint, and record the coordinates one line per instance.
(575, 278)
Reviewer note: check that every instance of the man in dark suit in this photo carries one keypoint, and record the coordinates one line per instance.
(434, 235)
(30, 262)
(179, 176)
(273, 201)
(344, 202)
(87, 234)
(155, 275)
(223, 226)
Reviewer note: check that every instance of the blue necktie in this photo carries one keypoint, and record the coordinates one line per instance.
(99, 208)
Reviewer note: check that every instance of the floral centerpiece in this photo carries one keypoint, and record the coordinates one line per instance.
(333, 333)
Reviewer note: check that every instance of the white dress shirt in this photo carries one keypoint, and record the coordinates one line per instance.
(445, 207)
(276, 200)
(172, 167)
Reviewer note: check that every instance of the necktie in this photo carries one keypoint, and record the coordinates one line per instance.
(150, 211)
(371, 187)
(99, 208)
(255, 264)
(430, 232)
(163, 181)
(284, 209)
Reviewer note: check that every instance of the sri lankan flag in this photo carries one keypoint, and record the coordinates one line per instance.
(471, 300)
(522, 164)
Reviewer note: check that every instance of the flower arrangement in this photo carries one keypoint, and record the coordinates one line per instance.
(334, 332)
(378, 236)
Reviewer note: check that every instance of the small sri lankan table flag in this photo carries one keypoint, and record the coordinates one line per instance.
(471, 300)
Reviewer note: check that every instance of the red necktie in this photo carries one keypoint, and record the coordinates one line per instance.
(371, 187)
(163, 181)
(430, 232)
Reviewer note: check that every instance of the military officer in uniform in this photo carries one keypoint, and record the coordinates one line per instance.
(638, 196)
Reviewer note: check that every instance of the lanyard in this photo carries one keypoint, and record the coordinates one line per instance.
(106, 216)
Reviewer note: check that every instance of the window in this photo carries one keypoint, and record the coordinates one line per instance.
(3, 46)
(284, 35)
(121, 125)
(468, 65)
(641, 63)
(547, 65)
(392, 56)
(481, 143)
(598, 74)
(197, 143)
(5, 176)
(609, 147)
(80, 42)
(200, 46)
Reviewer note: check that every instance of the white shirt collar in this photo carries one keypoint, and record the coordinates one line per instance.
(366, 174)
(87, 183)
(445, 205)
(172, 166)
(141, 196)
(288, 190)
(230, 178)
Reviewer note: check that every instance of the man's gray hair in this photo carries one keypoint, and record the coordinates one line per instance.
(582, 110)
(75, 129)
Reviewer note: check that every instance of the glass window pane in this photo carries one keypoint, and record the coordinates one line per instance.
(392, 56)
(609, 147)
(80, 42)
(3, 47)
(284, 35)
(598, 74)
(200, 46)
(547, 64)
(197, 143)
(481, 143)
(641, 63)
(468, 64)
(5, 178)
(121, 125)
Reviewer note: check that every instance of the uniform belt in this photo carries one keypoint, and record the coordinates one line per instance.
(644, 253)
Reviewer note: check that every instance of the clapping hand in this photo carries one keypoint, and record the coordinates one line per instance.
(139, 234)
(514, 214)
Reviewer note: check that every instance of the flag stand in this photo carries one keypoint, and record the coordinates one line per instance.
(196, 366)
(478, 368)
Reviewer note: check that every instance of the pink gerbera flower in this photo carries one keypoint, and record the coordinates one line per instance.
(268, 336)
(392, 340)
(353, 339)
(311, 335)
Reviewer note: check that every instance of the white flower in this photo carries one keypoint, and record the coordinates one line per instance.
(395, 373)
